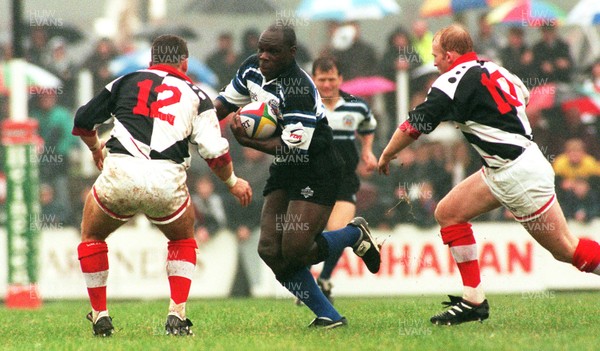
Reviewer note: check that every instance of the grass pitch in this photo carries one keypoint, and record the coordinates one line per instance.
(529, 321)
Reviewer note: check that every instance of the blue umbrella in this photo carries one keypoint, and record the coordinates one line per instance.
(139, 59)
(346, 10)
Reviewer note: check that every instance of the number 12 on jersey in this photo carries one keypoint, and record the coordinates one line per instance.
(153, 110)
(508, 98)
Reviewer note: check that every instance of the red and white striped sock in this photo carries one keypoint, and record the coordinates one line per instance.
(587, 256)
(460, 239)
(181, 262)
(93, 259)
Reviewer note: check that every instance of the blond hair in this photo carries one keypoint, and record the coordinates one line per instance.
(454, 38)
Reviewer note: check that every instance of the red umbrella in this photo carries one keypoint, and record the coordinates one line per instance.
(368, 86)
(583, 104)
(542, 97)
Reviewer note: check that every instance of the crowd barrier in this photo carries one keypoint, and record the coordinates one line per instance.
(414, 262)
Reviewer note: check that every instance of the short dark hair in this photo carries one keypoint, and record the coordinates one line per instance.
(325, 64)
(169, 49)
(289, 34)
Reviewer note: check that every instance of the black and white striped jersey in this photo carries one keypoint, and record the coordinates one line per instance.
(156, 113)
(486, 102)
(350, 115)
(292, 95)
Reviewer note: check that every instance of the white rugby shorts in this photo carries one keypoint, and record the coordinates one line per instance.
(128, 185)
(524, 186)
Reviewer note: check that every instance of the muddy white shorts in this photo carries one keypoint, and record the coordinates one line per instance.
(524, 186)
(128, 185)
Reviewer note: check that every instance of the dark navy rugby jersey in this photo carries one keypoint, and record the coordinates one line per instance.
(350, 115)
(486, 102)
(156, 112)
(292, 95)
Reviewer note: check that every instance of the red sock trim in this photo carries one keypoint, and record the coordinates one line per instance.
(469, 271)
(587, 255)
(180, 288)
(93, 256)
(182, 250)
(98, 298)
(455, 232)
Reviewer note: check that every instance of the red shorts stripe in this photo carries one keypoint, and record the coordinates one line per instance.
(174, 214)
(538, 212)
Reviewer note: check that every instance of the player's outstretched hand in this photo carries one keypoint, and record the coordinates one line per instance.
(242, 191)
(237, 129)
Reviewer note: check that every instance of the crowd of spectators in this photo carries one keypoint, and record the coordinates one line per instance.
(569, 136)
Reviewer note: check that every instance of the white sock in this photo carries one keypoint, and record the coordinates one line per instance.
(474, 295)
(178, 309)
(98, 314)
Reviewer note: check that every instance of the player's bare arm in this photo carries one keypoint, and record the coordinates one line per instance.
(399, 141)
(367, 156)
(238, 187)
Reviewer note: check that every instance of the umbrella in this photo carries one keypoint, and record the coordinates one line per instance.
(435, 8)
(35, 76)
(532, 13)
(346, 10)
(149, 33)
(139, 59)
(68, 32)
(583, 105)
(229, 7)
(542, 97)
(585, 13)
(368, 86)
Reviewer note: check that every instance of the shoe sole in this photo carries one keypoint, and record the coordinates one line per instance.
(363, 250)
(341, 323)
(480, 320)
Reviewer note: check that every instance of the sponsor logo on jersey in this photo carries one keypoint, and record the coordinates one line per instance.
(307, 192)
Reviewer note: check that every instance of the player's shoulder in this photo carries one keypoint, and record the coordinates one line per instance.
(463, 73)
(250, 62)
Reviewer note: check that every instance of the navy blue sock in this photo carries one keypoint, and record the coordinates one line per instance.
(340, 239)
(303, 286)
(329, 265)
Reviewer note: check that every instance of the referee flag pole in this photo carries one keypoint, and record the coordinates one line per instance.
(19, 134)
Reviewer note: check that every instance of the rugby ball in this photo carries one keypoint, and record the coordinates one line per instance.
(258, 120)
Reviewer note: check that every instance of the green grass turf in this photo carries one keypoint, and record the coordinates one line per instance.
(528, 321)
